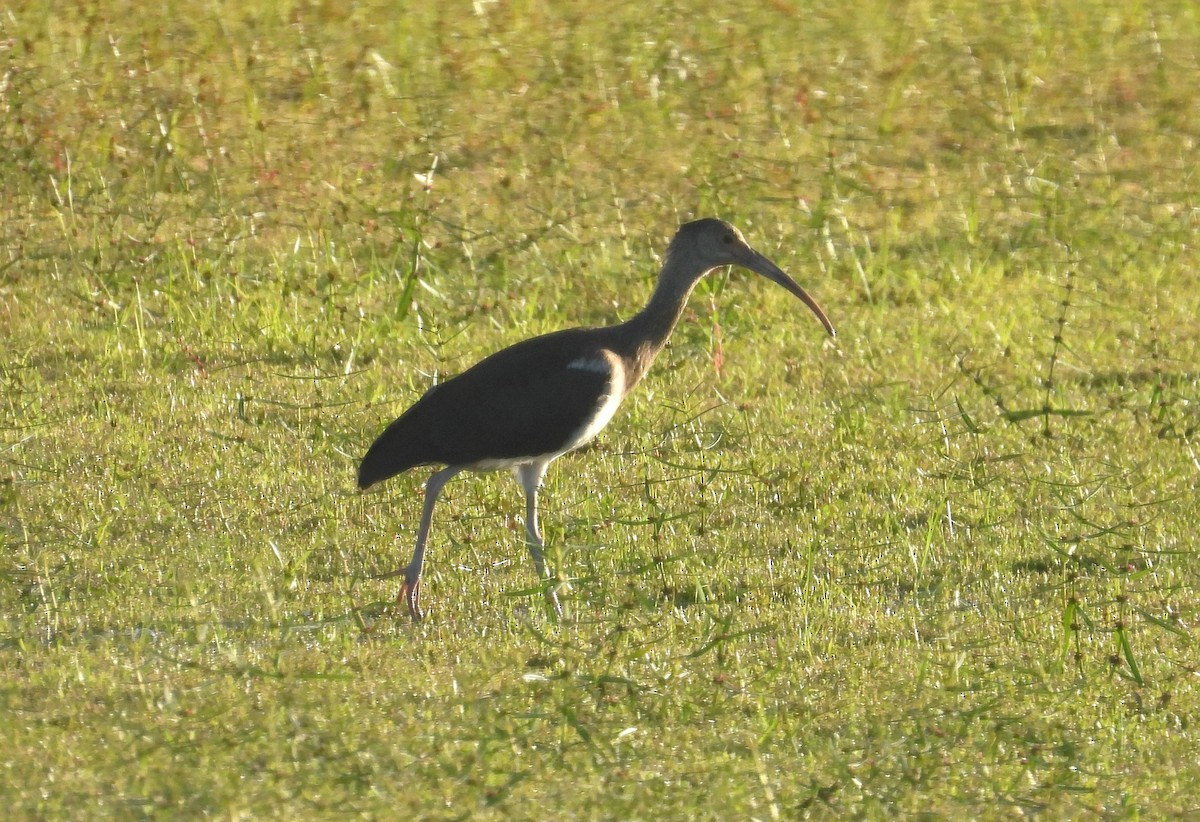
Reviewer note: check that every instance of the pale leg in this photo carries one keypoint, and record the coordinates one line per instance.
(410, 591)
(530, 476)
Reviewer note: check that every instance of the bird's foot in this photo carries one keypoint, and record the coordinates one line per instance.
(410, 594)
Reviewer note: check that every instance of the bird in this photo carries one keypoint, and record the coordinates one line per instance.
(526, 405)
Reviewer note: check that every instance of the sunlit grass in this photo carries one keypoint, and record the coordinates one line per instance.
(944, 564)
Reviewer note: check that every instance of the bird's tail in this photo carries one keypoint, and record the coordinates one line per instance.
(388, 456)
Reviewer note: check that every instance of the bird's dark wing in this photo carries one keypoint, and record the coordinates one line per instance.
(525, 401)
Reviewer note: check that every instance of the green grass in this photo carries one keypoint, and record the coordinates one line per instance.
(946, 564)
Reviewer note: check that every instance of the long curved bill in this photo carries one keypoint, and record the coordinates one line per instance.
(761, 265)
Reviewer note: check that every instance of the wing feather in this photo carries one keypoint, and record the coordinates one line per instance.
(524, 401)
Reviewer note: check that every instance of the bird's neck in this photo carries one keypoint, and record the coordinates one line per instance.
(648, 330)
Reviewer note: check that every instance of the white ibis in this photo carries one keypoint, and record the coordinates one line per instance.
(532, 402)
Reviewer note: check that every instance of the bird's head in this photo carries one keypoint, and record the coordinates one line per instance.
(711, 243)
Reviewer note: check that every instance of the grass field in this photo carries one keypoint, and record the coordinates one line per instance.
(945, 564)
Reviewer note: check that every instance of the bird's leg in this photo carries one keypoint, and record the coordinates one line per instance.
(410, 589)
(531, 475)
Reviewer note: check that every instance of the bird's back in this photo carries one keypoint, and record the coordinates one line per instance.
(520, 403)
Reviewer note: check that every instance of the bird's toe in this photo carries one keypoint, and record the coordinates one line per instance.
(410, 593)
